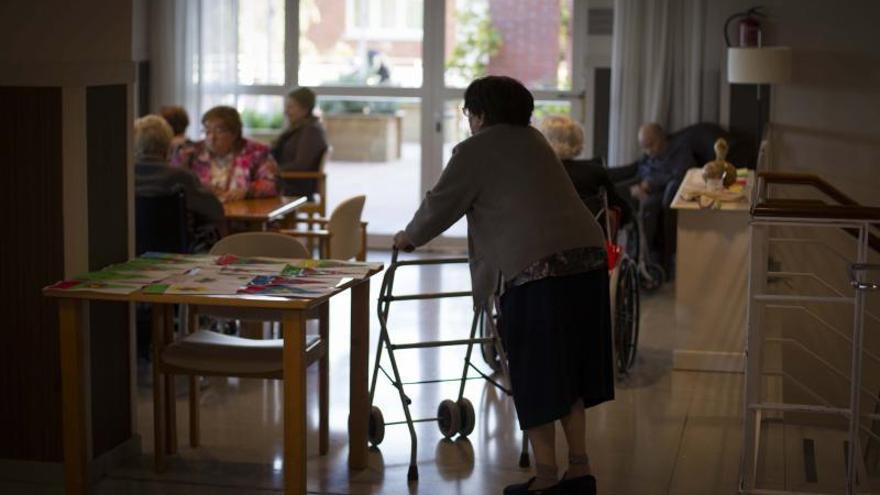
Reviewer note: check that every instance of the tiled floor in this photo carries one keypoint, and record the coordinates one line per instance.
(668, 432)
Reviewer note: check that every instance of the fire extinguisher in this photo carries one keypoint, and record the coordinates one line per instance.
(749, 27)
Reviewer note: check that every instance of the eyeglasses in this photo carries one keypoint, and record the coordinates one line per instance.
(215, 130)
(467, 113)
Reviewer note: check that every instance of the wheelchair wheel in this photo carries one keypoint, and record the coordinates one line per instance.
(653, 277)
(487, 349)
(626, 315)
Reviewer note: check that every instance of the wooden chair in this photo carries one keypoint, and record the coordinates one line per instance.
(206, 353)
(317, 206)
(342, 236)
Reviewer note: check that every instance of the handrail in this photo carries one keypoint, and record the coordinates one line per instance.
(846, 209)
(777, 209)
(799, 179)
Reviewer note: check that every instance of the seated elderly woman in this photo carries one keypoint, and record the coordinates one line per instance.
(178, 119)
(230, 165)
(154, 177)
(566, 137)
(302, 145)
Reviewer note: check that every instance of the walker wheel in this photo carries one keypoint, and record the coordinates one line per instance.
(468, 417)
(448, 418)
(376, 431)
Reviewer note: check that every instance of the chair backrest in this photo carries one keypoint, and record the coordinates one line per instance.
(345, 228)
(321, 186)
(160, 223)
(269, 244)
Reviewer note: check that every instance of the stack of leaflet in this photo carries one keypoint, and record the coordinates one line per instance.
(164, 273)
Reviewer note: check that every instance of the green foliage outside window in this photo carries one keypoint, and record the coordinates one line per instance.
(478, 41)
(251, 119)
(543, 109)
(562, 75)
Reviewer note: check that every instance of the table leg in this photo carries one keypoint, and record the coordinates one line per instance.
(324, 381)
(170, 389)
(193, 326)
(293, 327)
(159, 418)
(359, 405)
(251, 329)
(73, 396)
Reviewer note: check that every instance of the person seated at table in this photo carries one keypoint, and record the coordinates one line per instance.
(230, 165)
(302, 145)
(178, 119)
(566, 137)
(154, 177)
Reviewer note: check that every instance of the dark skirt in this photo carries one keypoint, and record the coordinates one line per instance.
(557, 334)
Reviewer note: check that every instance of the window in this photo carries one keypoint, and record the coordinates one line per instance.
(242, 45)
(380, 46)
(391, 130)
(531, 41)
(384, 19)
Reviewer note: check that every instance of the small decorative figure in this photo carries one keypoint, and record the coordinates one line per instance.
(719, 170)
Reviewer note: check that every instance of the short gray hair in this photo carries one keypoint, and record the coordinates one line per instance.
(565, 136)
(152, 137)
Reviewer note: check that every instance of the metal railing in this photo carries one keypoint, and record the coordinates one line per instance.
(861, 224)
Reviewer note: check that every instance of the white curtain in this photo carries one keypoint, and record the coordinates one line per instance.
(656, 70)
(193, 55)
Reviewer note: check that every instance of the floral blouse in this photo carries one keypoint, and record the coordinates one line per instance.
(252, 168)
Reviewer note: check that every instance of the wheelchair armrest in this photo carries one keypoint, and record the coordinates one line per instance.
(626, 175)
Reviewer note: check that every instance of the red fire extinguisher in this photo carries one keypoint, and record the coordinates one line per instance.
(749, 27)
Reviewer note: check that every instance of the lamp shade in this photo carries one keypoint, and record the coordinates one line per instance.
(759, 65)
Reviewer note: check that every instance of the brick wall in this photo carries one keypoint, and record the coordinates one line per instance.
(530, 30)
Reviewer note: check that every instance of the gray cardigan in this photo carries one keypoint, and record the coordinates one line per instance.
(520, 205)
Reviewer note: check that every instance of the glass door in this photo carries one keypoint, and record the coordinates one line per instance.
(390, 75)
(534, 42)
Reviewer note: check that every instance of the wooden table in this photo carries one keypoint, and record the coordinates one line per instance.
(262, 210)
(711, 282)
(76, 403)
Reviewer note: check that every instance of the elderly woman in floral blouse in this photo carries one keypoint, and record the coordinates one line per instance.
(231, 166)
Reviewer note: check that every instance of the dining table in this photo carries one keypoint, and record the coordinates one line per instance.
(75, 366)
(260, 212)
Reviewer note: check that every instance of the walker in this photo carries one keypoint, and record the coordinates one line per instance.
(454, 417)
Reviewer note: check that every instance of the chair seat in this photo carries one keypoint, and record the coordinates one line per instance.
(211, 352)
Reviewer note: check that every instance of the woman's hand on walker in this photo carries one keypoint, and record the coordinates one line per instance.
(402, 242)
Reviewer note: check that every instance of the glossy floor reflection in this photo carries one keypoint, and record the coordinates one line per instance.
(668, 432)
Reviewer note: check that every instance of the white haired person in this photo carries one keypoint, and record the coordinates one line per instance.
(155, 177)
(566, 137)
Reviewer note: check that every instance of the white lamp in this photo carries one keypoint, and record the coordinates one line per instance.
(759, 65)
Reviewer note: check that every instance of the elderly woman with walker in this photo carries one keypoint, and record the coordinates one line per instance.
(530, 238)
